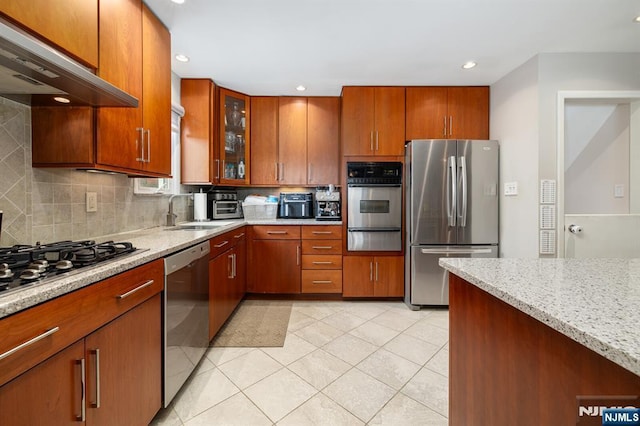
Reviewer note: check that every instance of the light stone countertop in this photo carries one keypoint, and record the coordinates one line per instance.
(595, 302)
(153, 243)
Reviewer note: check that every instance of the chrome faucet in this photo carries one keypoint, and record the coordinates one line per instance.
(171, 216)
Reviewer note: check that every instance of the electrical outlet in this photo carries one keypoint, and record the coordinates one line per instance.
(511, 188)
(92, 201)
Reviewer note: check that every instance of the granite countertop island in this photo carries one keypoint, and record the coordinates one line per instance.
(153, 243)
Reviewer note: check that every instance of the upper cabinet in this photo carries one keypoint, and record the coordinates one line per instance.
(70, 25)
(447, 113)
(373, 120)
(234, 137)
(295, 140)
(136, 141)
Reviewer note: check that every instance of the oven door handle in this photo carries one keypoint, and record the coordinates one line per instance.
(374, 185)
(374, 230)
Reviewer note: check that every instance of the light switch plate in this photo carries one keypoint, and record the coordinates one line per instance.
(511, 188)
(92, 202)
(618, 190)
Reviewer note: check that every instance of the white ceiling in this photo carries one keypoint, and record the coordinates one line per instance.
(268, 47)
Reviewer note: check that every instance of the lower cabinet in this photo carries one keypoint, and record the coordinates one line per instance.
(274, 256)
(113, 376)
(373, 276)
(322, 259)
(227, 277)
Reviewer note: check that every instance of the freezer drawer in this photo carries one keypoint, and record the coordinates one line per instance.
(426, 283)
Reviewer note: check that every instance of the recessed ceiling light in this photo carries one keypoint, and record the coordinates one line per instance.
(61, 99)
(182, 58)
(469, 65)
(301, 88)
(637, 19)
(178, 1)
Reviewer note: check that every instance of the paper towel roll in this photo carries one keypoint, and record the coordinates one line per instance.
(200, 207)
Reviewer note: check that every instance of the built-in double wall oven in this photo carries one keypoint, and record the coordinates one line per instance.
(374, 206)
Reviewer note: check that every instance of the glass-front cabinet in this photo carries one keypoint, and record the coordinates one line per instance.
(234, 137)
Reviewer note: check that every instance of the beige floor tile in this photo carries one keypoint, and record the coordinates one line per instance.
(219, 356)
(280, 393)
(389, 368)
(299, 320)
(317, 310)
(430, 389)
(396, 319)
(361, 394)
(294, 348)
(319, 368)
(202, 392)
(320, 411)
(344, 321)
(374, 333)
(439, 318)
(250, 368)
(350, 348)
(367, 310)
(319, 333)
(412, 348)
(402, 410)
(428, 332)
(439, 363)
(235, 411)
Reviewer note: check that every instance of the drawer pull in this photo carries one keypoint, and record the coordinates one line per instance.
(96, 404)
(222, 244)
(239, 235)
(83, 409)
(322, 263)
(276, 232)
(322, 247)
(320, 232)
(322, 281)
(29, 342)
(130, 292)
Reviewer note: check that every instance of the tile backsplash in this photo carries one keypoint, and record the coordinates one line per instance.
(50, 204)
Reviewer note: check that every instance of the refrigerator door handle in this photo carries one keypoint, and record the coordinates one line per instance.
(451, 191)
(463, 189)
(455, 251)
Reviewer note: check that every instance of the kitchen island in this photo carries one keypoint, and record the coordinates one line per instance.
(532, 340)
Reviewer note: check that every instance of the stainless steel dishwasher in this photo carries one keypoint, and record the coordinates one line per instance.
(186, 315)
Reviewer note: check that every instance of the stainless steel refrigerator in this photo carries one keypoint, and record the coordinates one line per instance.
(451, 189)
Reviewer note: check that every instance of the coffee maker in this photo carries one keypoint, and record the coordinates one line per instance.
(327, 203)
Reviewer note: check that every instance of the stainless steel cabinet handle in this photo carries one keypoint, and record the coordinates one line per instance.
(377, 140)
(444, 129)
(141, 131)
(322, 263)
(277, 172)
(322, 247)
(222, 244)
(309, 177)
(321, 281)
(370, 271)
(235, 264)
(371, 139)
(297, 255)
(276, 232)
(321, 232)
(96, 353)
(148, 146)
(217, 169)
(83, 409)
(230, 266)
(240, 235)
(29, 342)
(376, 271)
(455, 251)
(450, 125)
(130, 292)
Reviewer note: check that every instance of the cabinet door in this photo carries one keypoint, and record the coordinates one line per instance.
(130, 367)
(220, 274)
(156, 94)
(388, 275)
(240, 284)
(469, 112)
(71, 25)
(199, 155)
(426, 111)
(357, 120)
(357, 276)
(292, 140)
(119, 138)
(277, 272)
(389, 108)
(234, 137)
(264, 140)
(323, 140)
(49, 393)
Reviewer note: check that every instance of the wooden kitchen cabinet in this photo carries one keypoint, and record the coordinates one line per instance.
(373, 121)
(70, 25)
(227, 277)
(447, 113)
(136, 141)
(274, 258)
(373, 276)
(235, 136)
(322, 259)
(295, 140)
(127, 331)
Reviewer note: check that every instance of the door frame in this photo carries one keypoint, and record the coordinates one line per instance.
(617, 96)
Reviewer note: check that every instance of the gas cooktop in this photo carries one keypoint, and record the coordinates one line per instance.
(22, 266)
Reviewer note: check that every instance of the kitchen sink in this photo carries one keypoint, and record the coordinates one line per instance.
(185, 226)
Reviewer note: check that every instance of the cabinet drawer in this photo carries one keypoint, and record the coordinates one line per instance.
(331, 261)
(322, 247)
(71, 317)
(221, 243)
(276, 232)
(318, 281)
(322, 232)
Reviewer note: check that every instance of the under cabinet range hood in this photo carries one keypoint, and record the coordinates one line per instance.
(33, 73)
